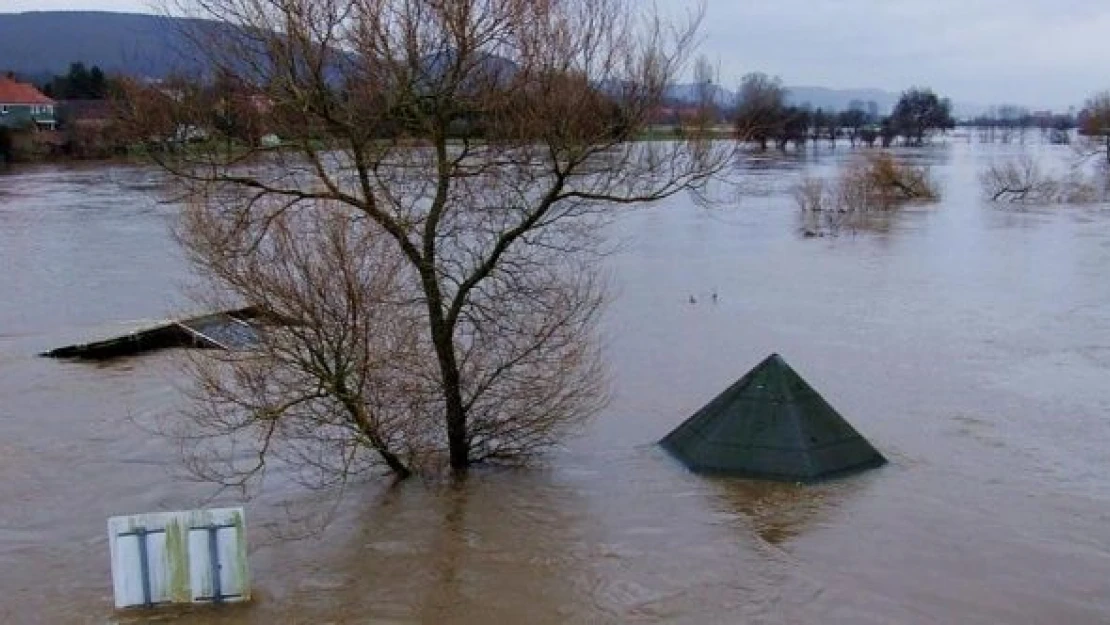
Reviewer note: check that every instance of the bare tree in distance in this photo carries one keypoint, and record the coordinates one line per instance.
(706, 83)
(427, 231)
(832, 128)
(1094, 123)
(760, 109)
(818, 120)
(853, 121)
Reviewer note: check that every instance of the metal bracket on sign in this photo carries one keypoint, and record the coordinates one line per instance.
(140, 533)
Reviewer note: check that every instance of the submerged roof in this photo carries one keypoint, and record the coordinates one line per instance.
(229, 329)
(771, 424)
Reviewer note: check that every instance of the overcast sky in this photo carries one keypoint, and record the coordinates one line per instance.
(1032, 52)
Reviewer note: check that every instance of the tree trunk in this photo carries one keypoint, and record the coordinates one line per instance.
(457, 439)
(394, 463)
(450, 380)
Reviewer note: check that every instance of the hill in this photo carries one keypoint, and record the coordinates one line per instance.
(38, 44)
(150, 46)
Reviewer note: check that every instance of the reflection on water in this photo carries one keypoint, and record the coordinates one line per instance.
(969, 344)
(779, 512)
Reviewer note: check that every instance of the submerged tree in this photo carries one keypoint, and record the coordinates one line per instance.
(920, 112)
(760, 109)
(796, 122)
(853, 121)
(426, 231)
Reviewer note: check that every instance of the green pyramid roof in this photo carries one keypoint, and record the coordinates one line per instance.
(771, 424)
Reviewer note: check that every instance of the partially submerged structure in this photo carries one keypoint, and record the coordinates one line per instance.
(195, 556)
(231, 329)
(771, 425)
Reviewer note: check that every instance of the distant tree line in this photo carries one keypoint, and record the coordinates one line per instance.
(1007, 123)
(760, 114)
(763, 117)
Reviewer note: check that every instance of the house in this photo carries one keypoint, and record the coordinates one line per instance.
(22, 105)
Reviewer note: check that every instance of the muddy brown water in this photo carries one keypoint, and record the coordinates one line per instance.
(971, 345)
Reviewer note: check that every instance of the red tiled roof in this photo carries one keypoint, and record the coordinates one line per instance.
(12, 92)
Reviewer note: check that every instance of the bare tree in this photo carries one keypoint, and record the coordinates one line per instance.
(832, 128)
(760, 109)
(426, 230)
(1094, 123)
(853, 121)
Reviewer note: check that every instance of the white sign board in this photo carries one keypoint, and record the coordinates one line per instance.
(198, 556)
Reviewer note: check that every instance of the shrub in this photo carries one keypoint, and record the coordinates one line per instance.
(868, 184)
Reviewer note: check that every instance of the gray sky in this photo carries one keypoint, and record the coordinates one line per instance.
(1032, 52)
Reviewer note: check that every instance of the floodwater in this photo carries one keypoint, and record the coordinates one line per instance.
(970, 344)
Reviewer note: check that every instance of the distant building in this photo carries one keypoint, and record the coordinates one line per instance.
(22, 105)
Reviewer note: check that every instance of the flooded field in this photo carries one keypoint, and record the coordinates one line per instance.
(970, 344)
